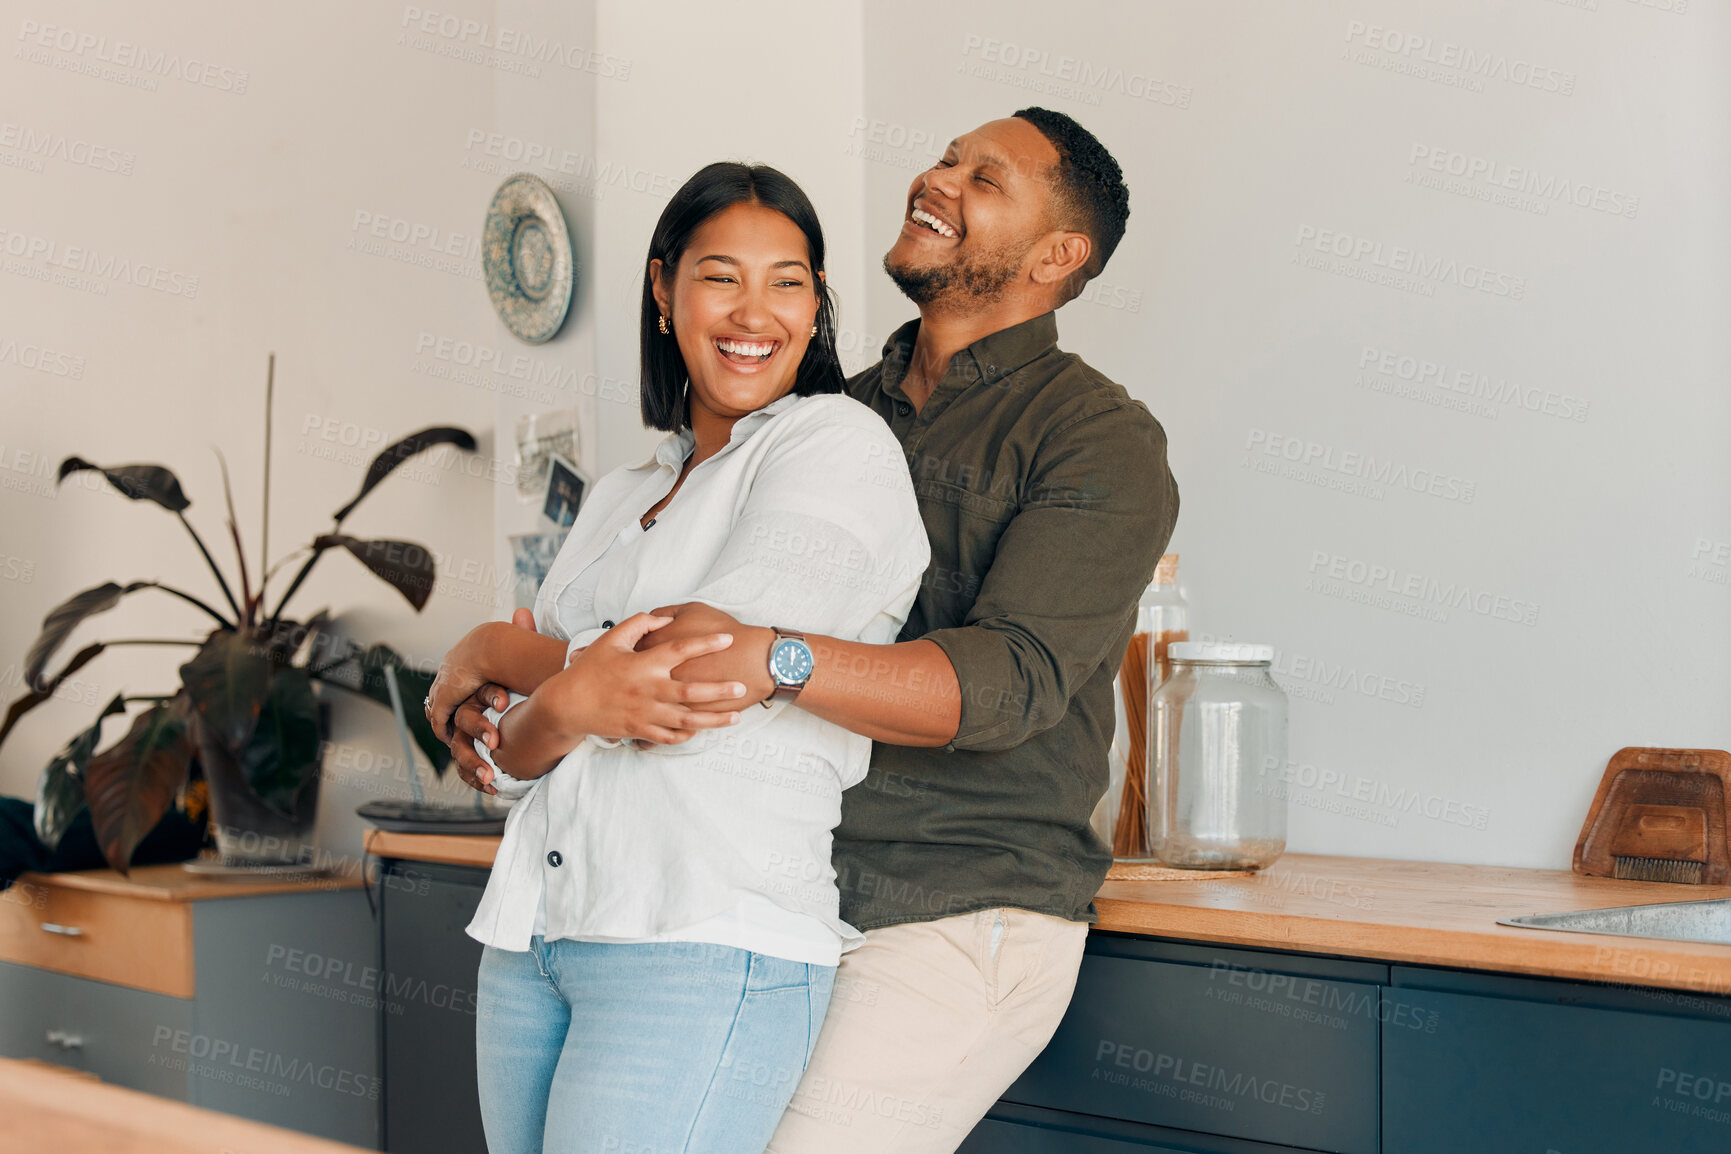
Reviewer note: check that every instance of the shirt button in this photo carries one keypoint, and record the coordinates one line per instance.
(904, 408)
(607, 625)
(553, 857)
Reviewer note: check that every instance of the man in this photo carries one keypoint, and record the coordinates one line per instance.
(967, 856)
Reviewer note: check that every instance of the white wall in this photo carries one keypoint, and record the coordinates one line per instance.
(776, 82)
(349, 115)
(1248, 129)
(266, 190)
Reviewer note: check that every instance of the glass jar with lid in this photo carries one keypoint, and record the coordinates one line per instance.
(1216, 746)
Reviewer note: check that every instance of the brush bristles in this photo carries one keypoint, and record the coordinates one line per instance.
(1658, 869)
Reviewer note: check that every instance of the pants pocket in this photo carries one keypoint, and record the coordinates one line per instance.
(822, 988)
(764, 973)
(1019, 946)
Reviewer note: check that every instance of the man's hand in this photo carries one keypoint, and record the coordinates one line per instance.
(746, 661)
(511, 654)
(902, 694)
(469, 722)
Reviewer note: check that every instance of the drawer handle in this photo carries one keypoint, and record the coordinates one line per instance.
(65, 1040)
(69, 931)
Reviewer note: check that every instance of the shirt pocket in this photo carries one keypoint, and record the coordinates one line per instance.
(963, 527)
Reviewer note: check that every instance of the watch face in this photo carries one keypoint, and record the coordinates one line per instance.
(790, 661)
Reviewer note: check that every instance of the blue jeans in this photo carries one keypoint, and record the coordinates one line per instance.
(663, 1048)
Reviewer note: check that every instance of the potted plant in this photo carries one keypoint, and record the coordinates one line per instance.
(246, 717)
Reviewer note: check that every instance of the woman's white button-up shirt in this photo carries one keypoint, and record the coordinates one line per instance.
(805, 520)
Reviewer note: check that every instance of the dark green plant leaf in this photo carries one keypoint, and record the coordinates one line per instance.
(284, 751)
(313, 642)
(405, 566)
(396, 454)
(34, 698)
(64, 618)
(286, 641)
(130, 785)
(139, 482)
(60, 792)
(414, 685)
(226, 683)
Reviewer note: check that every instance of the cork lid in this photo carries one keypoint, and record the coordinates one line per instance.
(1166, 573)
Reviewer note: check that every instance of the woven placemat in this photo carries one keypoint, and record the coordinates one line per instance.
(1123, 871)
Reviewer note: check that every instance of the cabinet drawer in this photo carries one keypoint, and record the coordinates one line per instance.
(1012, 1129)
(1504, 1076)
(129, 941)
(121, 1035)
(996, 1136)
(1206, 1040)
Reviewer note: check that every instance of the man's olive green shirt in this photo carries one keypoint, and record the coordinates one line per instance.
(1046, 495)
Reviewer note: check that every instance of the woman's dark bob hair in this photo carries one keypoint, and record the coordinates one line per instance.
(714, 188)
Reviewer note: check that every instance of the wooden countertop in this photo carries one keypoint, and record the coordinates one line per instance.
(1424, 913)
(171, 883)
(451, 849)
(63, 1111)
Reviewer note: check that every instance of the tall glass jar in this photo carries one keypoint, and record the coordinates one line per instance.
(1216, 743)
(1162, 617)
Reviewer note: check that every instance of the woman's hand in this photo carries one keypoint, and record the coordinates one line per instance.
(609, 690)
(745, 661)
(612, 690)
(472, 725)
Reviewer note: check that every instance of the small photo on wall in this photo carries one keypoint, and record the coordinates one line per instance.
(565, 489)
(532, 557)
(541, 437)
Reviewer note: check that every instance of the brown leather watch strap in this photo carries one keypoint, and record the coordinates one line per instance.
(786, 692)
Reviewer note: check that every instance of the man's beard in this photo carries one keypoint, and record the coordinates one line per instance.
(971, 282)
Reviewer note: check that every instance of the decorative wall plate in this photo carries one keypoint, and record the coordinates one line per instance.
(526, 255)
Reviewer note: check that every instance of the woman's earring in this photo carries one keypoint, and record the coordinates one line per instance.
(661, 322)
(814, 330)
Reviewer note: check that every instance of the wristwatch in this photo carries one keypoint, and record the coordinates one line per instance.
(790, 663)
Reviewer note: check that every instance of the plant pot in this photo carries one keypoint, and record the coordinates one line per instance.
(248, 830)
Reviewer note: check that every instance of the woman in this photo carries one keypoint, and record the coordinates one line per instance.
(661, 921)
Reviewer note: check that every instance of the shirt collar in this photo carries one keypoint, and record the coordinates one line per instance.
(675, 447)
(991, 358)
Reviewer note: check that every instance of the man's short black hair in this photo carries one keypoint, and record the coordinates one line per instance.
(1091, 192)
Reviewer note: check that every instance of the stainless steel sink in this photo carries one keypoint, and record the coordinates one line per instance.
(1704, 921)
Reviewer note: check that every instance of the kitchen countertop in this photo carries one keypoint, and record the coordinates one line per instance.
(171, 882)
(1423, 913)
(72, 1112)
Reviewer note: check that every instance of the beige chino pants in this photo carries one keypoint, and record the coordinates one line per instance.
(929, 1024)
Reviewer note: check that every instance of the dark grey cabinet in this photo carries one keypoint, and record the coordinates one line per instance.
(1510, 1066)
(112, 1031)
(279, 1029)
(1277, 1048)
(1000, 1136)
(1188, 1048)
(1010, 1129)
(285, 1029)
(427, 1007)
